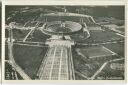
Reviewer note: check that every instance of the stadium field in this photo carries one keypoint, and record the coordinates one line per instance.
(97, 51)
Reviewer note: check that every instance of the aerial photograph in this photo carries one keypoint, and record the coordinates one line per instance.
(64, 42)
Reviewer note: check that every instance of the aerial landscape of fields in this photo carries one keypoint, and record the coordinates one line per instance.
(97, 52)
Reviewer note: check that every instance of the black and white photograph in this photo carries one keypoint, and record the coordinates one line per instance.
(64, 42)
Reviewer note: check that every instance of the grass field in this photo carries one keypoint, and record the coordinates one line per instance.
(29, 58)
(98, 36)
(95, 51)
(111, 74)
(88, 66)
(118, 48)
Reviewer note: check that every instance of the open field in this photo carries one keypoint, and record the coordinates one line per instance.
(117, 48)
(96, 51)
(89, 66)
(29, 58)
(115, 72)
(97, 36)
